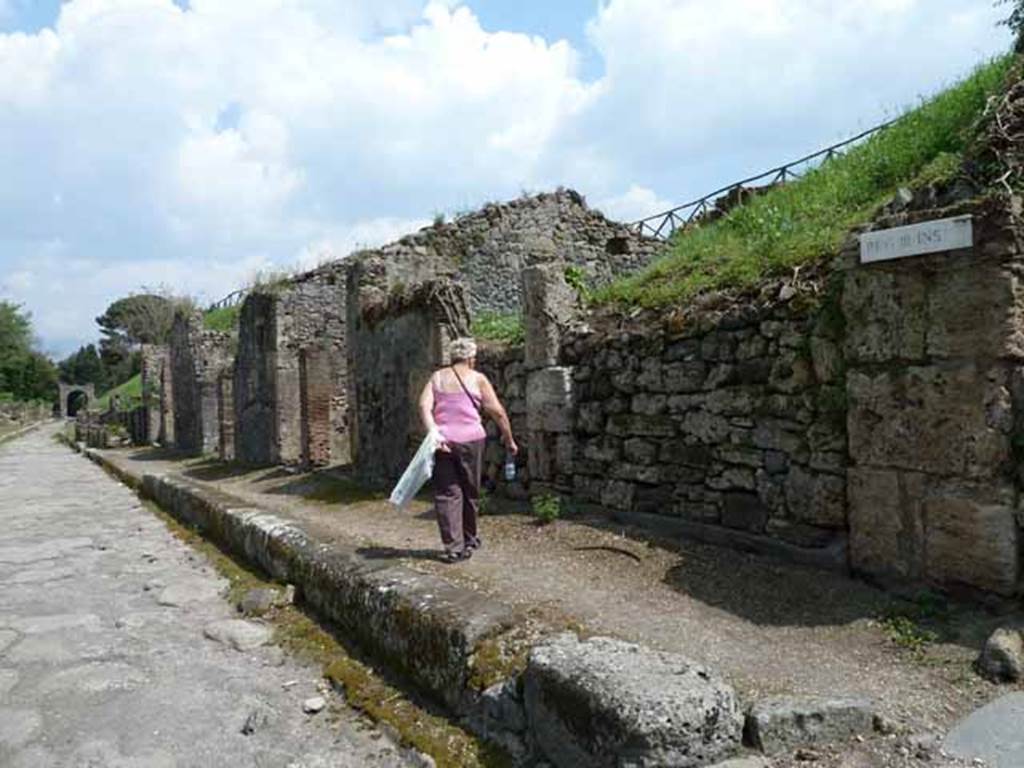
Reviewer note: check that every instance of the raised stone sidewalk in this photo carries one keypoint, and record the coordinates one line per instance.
(464, 639)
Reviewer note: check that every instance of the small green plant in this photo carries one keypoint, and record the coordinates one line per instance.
(439, 218)
(906, 633)
(491, 326)
(546, 508)
(576, 277)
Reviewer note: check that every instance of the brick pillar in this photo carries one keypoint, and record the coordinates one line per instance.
(316, 389)
(226, 414)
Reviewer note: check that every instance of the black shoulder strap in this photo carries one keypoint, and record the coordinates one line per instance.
(476, 404)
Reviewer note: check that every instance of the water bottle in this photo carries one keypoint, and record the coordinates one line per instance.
(510, 467)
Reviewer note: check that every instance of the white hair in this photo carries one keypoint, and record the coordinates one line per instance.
(462, 349)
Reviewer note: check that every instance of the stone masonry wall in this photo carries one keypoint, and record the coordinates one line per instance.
(396, 341)
(731, 419)
(154, 358)
(503, 365)
(275, 325)
(487, 250)
(934, 349)
(198, 358)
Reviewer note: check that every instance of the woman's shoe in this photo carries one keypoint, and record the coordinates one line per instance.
(450, 557)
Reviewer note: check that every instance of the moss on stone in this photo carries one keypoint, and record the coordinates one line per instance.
(448, 745)
(496, 660)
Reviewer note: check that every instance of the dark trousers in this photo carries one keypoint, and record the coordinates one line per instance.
(457, 493)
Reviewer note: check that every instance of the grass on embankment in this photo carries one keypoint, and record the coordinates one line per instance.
(130, 392)
(223, 320)
(802, 222)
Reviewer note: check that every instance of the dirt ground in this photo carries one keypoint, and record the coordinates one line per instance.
(771, 628)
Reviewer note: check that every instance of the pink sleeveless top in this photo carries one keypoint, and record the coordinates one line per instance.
(456, 416)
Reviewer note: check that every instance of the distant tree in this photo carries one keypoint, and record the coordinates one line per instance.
(84, 367)
(25, 373)
(144, 318)
(1015, 21)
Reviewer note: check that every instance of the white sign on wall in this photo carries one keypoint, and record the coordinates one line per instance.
(917, 239)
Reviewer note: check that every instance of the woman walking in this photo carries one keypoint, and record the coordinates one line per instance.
(450, 406)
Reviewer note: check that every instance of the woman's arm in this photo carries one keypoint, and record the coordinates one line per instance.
(492, 405)
(427, 405)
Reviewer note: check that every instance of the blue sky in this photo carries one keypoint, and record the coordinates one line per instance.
(159, 144)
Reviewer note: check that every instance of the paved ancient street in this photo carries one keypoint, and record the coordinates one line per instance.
(103, 660)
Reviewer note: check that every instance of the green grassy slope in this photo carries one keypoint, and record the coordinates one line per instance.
(804, 221)
(130, 392)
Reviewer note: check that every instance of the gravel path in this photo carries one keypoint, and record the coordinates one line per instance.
(103, 657)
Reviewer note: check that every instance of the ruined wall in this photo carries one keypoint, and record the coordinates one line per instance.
(725, 418)
(396, 340)
(275, 326)
(226, 414)
(198, 357)
(486, 250)
(934, 350)
(154, 358)
(504, 366)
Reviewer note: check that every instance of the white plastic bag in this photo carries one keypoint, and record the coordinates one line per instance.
(418, 472)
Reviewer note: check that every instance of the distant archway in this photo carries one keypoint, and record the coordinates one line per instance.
(75, 397)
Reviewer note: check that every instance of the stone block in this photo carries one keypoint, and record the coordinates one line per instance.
(951, 420)
(640, 451)
(975, 312)
(816, 498)
(548, 305)
(684, 377)
(618, 494)
(639, 425)
(885, 310)
(744, 511)
(886, 527)
(549, 400)
(1002, 658)
(780, 724)
(604, 702)
(972, 542)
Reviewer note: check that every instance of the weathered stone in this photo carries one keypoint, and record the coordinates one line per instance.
(684, 377)
(885, 311)
(972, 542)
(313, 705)
(744, 511)
(257, 602)
(816, 498)
(778, 724)
(618, 494)
(240, 635)
(649, 405)
(503, 707)
(930, 419)
(605, 702)
(886, 527)
(639, 451)
(549, 400)
(1002, 658)
(991, 734)
(741, 478)
(638, 425)
(548, 306)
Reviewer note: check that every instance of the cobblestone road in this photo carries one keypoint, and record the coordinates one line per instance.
(97, 670)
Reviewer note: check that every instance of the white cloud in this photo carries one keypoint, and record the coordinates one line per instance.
(158, 145)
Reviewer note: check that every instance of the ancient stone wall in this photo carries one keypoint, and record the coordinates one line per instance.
(396, 340)
(226, 414)
(198, 358)
(276, 324)
(487, 250)
(154, 358)
(727, 418)
(934, 349)
(504, 366)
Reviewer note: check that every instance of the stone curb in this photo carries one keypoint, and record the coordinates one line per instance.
(422, 627)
